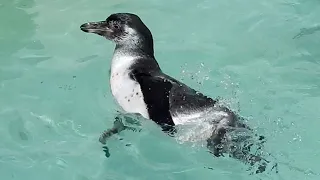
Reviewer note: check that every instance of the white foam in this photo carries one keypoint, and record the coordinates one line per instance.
(203, 115)
(196, 127)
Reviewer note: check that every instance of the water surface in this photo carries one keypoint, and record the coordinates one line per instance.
(262, 57)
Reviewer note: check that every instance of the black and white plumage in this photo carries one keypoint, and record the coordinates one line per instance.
(140, 86)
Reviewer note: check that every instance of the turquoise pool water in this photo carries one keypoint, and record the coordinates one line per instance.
(262, 57)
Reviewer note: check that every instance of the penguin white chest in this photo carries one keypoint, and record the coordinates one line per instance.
(126, 91)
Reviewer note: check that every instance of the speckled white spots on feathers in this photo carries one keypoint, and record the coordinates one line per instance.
(126, 91)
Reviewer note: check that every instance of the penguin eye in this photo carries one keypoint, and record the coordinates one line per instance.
(116, 26)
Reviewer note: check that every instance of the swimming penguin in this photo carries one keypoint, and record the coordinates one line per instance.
(139, 86)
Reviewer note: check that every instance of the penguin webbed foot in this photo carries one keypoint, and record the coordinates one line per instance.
(118, 126)
(257, 163)
(106, 151)
(214, 143)
(218, 146)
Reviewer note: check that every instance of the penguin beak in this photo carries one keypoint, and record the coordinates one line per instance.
(100, 28)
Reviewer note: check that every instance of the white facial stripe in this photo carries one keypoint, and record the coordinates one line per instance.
(130, 37)
(129, 30)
